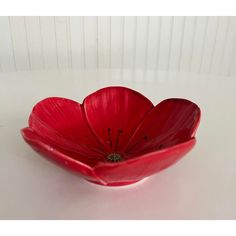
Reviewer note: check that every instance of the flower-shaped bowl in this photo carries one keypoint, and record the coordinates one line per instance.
(115, 137)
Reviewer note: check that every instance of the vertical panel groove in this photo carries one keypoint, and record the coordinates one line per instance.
(20, 42)
(90, 42)
(214, 45)
(110, 41)
(27, 44)
(13, 51)
(146, 46)
(122, 43)
(49, 42)
(56, 41)
(171, 33)
(203, 44)
(97, 42)
(68, 32)
(84, 55)
(225, 44)
(41, 39)
(193, 39)
(135, 42)
(225, 40)
(231, 61)
(181, 47)
(158, 45)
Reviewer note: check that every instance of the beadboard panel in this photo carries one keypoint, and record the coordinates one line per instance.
(203, 44)
(34, 40)
(198, 44)
(153, 42)
(222, 31)
(62, 42)
(90, 42)
(130, 29)
(104, 41)
(49, 42)
(177, 44)
(77, 42)
(7, 59)
(209, 44)
(20, 43)
(117, 31)
(188, 34)
(166, 30)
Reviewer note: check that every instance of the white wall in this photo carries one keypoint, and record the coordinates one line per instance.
(198, 44)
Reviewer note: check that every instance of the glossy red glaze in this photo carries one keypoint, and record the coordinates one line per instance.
(113, 120)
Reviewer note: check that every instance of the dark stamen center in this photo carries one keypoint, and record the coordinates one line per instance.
(114, 157)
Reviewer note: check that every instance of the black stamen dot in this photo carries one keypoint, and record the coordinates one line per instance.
(145, 137)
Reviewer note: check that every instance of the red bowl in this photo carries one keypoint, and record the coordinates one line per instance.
(116, 136)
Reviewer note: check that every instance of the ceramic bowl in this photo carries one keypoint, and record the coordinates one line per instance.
(115, 137)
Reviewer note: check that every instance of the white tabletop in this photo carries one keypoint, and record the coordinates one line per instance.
(201, 186)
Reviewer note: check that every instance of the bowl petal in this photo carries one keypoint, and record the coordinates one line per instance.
(61, 122)
(60, 157)
(144, 165)
(171, 122)
(113, 113)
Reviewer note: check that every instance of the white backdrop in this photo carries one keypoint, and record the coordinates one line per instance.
(197, 44)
